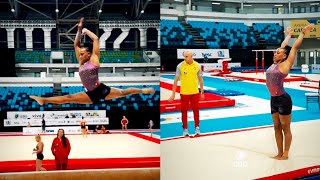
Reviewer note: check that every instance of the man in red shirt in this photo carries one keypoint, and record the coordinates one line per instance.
(61, 149)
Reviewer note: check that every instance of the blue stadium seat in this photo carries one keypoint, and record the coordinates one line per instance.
(174, 34)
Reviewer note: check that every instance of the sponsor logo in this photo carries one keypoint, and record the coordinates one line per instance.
(16, 116)
(314, 170)
(220, 54)
(15, 122)
(206, 54)
(92, 114)
(37, 116)
(8, 122)
(50, 130)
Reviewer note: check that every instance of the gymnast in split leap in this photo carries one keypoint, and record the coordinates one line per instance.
(88, 57)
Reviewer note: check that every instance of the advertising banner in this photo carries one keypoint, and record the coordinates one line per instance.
(55, 114)
(52, 130)
(298, 25)
(202, 53)
(55, 122)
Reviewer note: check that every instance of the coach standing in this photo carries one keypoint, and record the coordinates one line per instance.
(190, 74)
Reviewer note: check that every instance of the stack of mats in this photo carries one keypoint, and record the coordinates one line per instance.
(211, 101)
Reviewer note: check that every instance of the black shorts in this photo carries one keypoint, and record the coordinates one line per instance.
(99, 93)
(281, 104)
(43, 128)
(40, 156)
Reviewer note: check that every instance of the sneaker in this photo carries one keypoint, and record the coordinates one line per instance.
(197, 131)
(185, 132)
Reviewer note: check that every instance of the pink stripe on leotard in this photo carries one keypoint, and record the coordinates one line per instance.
(88, 73)
(274, 78)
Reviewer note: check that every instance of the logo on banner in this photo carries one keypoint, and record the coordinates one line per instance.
(207, 55)
(92, 114)
(37, 116)
(194, 54)
(220, 54)
(8, 123)
(50, 131)
(52, 115)
(16, 116)
(77, 115)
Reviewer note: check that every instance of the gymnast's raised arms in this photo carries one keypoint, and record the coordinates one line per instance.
(77, 41)
(286, 65)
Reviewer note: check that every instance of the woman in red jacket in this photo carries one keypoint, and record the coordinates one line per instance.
(60, 149)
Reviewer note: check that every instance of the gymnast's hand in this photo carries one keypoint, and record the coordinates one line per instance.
(288, 31)
(307, 28)
(84, 31)
(80, 24)
(171, 98)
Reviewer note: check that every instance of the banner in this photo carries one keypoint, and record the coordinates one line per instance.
(55, 114)
(315, 68)
(298, 25)
(212, 66)
(52, 130)
(55, 122)
(202, 53)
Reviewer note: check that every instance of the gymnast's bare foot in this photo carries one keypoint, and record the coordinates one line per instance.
(148, 91)
(277, 157)
(285, 156)
(38, 99)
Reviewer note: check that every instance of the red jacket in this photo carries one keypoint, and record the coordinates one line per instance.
(61, 153)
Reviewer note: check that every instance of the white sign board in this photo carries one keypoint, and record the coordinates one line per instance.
(315, 68)
(55, 122)
(201, 53)
(55, 114)
(52, 130)
(212, 66)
